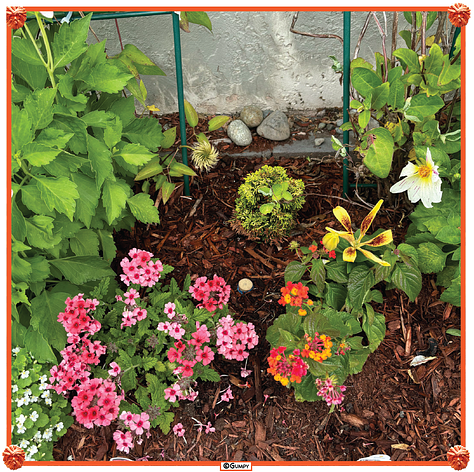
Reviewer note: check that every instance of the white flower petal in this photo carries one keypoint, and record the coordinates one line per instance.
(409, 170)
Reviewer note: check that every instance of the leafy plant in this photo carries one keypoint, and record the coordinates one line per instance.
(39, 417)
(76, 147)
(267, 204)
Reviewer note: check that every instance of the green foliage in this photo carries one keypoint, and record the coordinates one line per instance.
(267, 204)
(39, 416)
(76, 148)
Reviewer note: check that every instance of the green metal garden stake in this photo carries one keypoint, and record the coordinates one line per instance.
(346, 91)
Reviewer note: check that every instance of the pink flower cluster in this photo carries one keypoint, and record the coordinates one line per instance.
(213, 293)
(332, 393)
(129, 318)
(176, 392)
(233, 340)
(81, 351)
(140, 269)
(96, 403)
(137, 424)
(227, 395)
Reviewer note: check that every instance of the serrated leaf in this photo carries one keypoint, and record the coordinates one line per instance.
(41, 350)
(294, 271)
(408, 279)
(59, 194)
(375, 331)
(337, 271)
(191, 115)
(106, 78)
(335, 295)
(39, 268)
(85, 243)
(452, 294)
(108, 245)
(82, 269)
(39, 107)
(360, 282)
(71, 124)
(143, 209)
(21, 269)
(39, 232)
(88, 199)
(100, 157)
(38, 154)
(24, 49)
(140, 61)
(34, 76)
(114, 198)
(44, 317)
(21, 124)
(164, 421)
(70, 42)
(135, 154)
(145, 131)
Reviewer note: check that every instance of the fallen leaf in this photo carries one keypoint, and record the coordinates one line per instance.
(353, 420)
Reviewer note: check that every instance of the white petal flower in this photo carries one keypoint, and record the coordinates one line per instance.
(48, 401)
(34, 416)
(24, 444)
(16, 350)
(14, 388)
(21, 419)
(47, 14)
(21, 429)
(25, 374)
(421, 181)
(59, 426)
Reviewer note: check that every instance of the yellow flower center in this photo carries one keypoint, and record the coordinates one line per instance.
(424, 171)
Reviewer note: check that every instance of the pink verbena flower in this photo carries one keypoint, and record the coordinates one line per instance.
(115, 370)
(179, 430)
(169, 310)
(172, 392)
(124, 441)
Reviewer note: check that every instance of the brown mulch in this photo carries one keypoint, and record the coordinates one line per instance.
(386, 410)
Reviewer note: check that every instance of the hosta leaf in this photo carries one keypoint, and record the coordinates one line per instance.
(70, 42)
(82, 269)
(114, 198)
(143, 209)
(59, 194)
(44, 317)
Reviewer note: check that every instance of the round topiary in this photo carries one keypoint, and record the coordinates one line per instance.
(267, 204)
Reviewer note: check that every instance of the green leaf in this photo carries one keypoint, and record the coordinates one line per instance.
(114, 198)
(39, 268)
(145, 131)
(106, 78)
(113, 132)
(453, 332)
(267, 208)
(452, 294)
(217, 122)
(449, 235)
(180, 168)
(379, 156)
(70, 42)
(421, 106)
(337, 271)
(375, 331)
(21, 269)
(408, 58)
(360, 282)
(335, 296)
(38, 346)
(53, 137)
(100, 157)
(396, 97)
(82, 269)
(26, 51)
(318, 274)
(169, 137)
(143, 209)
(88, 199)
(191, 115)
(39, 232)
(307, 389)
(294, 271)
(34, 76)
(166, 190)
(131, 55)
(21, 124)
(364, 80)
(59, 194)
(446, 276)
(164, 421)
(450, 72)
(380, 96)
(199, 18)
(394, 74)
(39, 154)
(18, 223)
(153, 168)
(44, 317)
(364, 118)
(408, 279)
(108, 246)
(85, 243)
(134, 154)
(39, 107)
(431, 258)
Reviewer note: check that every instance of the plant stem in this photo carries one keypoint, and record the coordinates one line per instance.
(50, 65)
(34, 44)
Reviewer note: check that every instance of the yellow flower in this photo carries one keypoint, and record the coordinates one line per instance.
(204, 156)
(302, 312)
(350, 253)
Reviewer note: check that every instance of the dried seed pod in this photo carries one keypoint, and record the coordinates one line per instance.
(459, 14)
(16, 17)
(13, 457)
(458, 457)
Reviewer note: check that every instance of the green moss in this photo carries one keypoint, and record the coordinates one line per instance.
(248, 218)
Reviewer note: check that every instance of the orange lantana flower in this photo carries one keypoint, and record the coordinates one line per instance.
(16, 17)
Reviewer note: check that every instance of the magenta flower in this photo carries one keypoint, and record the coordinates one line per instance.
(179, 430)
(115, 370)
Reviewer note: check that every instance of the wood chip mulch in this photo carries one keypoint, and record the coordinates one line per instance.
(386, 411)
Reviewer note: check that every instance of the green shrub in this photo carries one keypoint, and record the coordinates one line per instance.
(267, 204)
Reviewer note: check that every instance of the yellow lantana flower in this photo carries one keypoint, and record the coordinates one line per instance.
(350, 253)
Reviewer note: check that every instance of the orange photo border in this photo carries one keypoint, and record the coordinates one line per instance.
(463, 242)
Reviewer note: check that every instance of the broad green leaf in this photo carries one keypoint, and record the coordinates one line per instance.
(66, 88)
(394, 74)
(153, 168)
(407, 279)
(191, 115)
(18, 222)
(380, 96)
(364, 80)
(360, 282)
(134, 154)
(131, 55)
(431, 258)
(97, 118)
(169, 137)
(71, 124)
(107, 243)
(267, 208)
(453, 332)
(39, 232)
(44, 317)
(449, 72)
(364, 118)
(18, 332)
(145, 131)
(421, 106)
(453, 293)
(217, 122)
(449, 235)
(379, 156)
(39, 347)
(39, 268)
(396, 97)
(88, 199)
(409, 58)
(114, 198)
(447, 275)
(124, 108)
(39, 154)
(39, 107)
(335, 295)
(337, 271)
(34, 76)
(113, 132)
(100, 157)
(106, 78)
(21, 269)
(318, 274)
(21, 125)
(294, 271)
(59, 194)
(181, 168)
(307, 389)
(24, 49)
(82, 269)
(70, 42)
(434, 62)
(375, 331)
(53, 137)
(166, 190)
(143, 209)
(199, 18)
(85, 243)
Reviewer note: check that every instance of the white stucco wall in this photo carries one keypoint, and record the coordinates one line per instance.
(249, 58)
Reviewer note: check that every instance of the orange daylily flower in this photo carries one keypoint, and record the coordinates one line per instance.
(350, 253)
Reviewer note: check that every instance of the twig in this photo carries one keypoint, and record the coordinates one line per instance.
(424, 16)
(312, 35)
(413, 30)
(340, 198)
(394, 37)
(382, 33)
(362, 33)
(440, 30)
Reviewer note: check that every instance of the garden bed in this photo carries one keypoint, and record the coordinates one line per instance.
(385, 411)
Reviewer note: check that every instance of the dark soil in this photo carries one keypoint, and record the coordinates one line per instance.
(410, 414)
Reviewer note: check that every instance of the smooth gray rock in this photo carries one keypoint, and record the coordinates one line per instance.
(319, 141)
(239, 133)
(373, 124)
(322, 125)
(275, 127)
(251, 115)
(339, 122)
(339, 131)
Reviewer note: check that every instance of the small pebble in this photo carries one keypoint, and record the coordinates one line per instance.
(339, 122)
(319, 141)
(322, 125)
